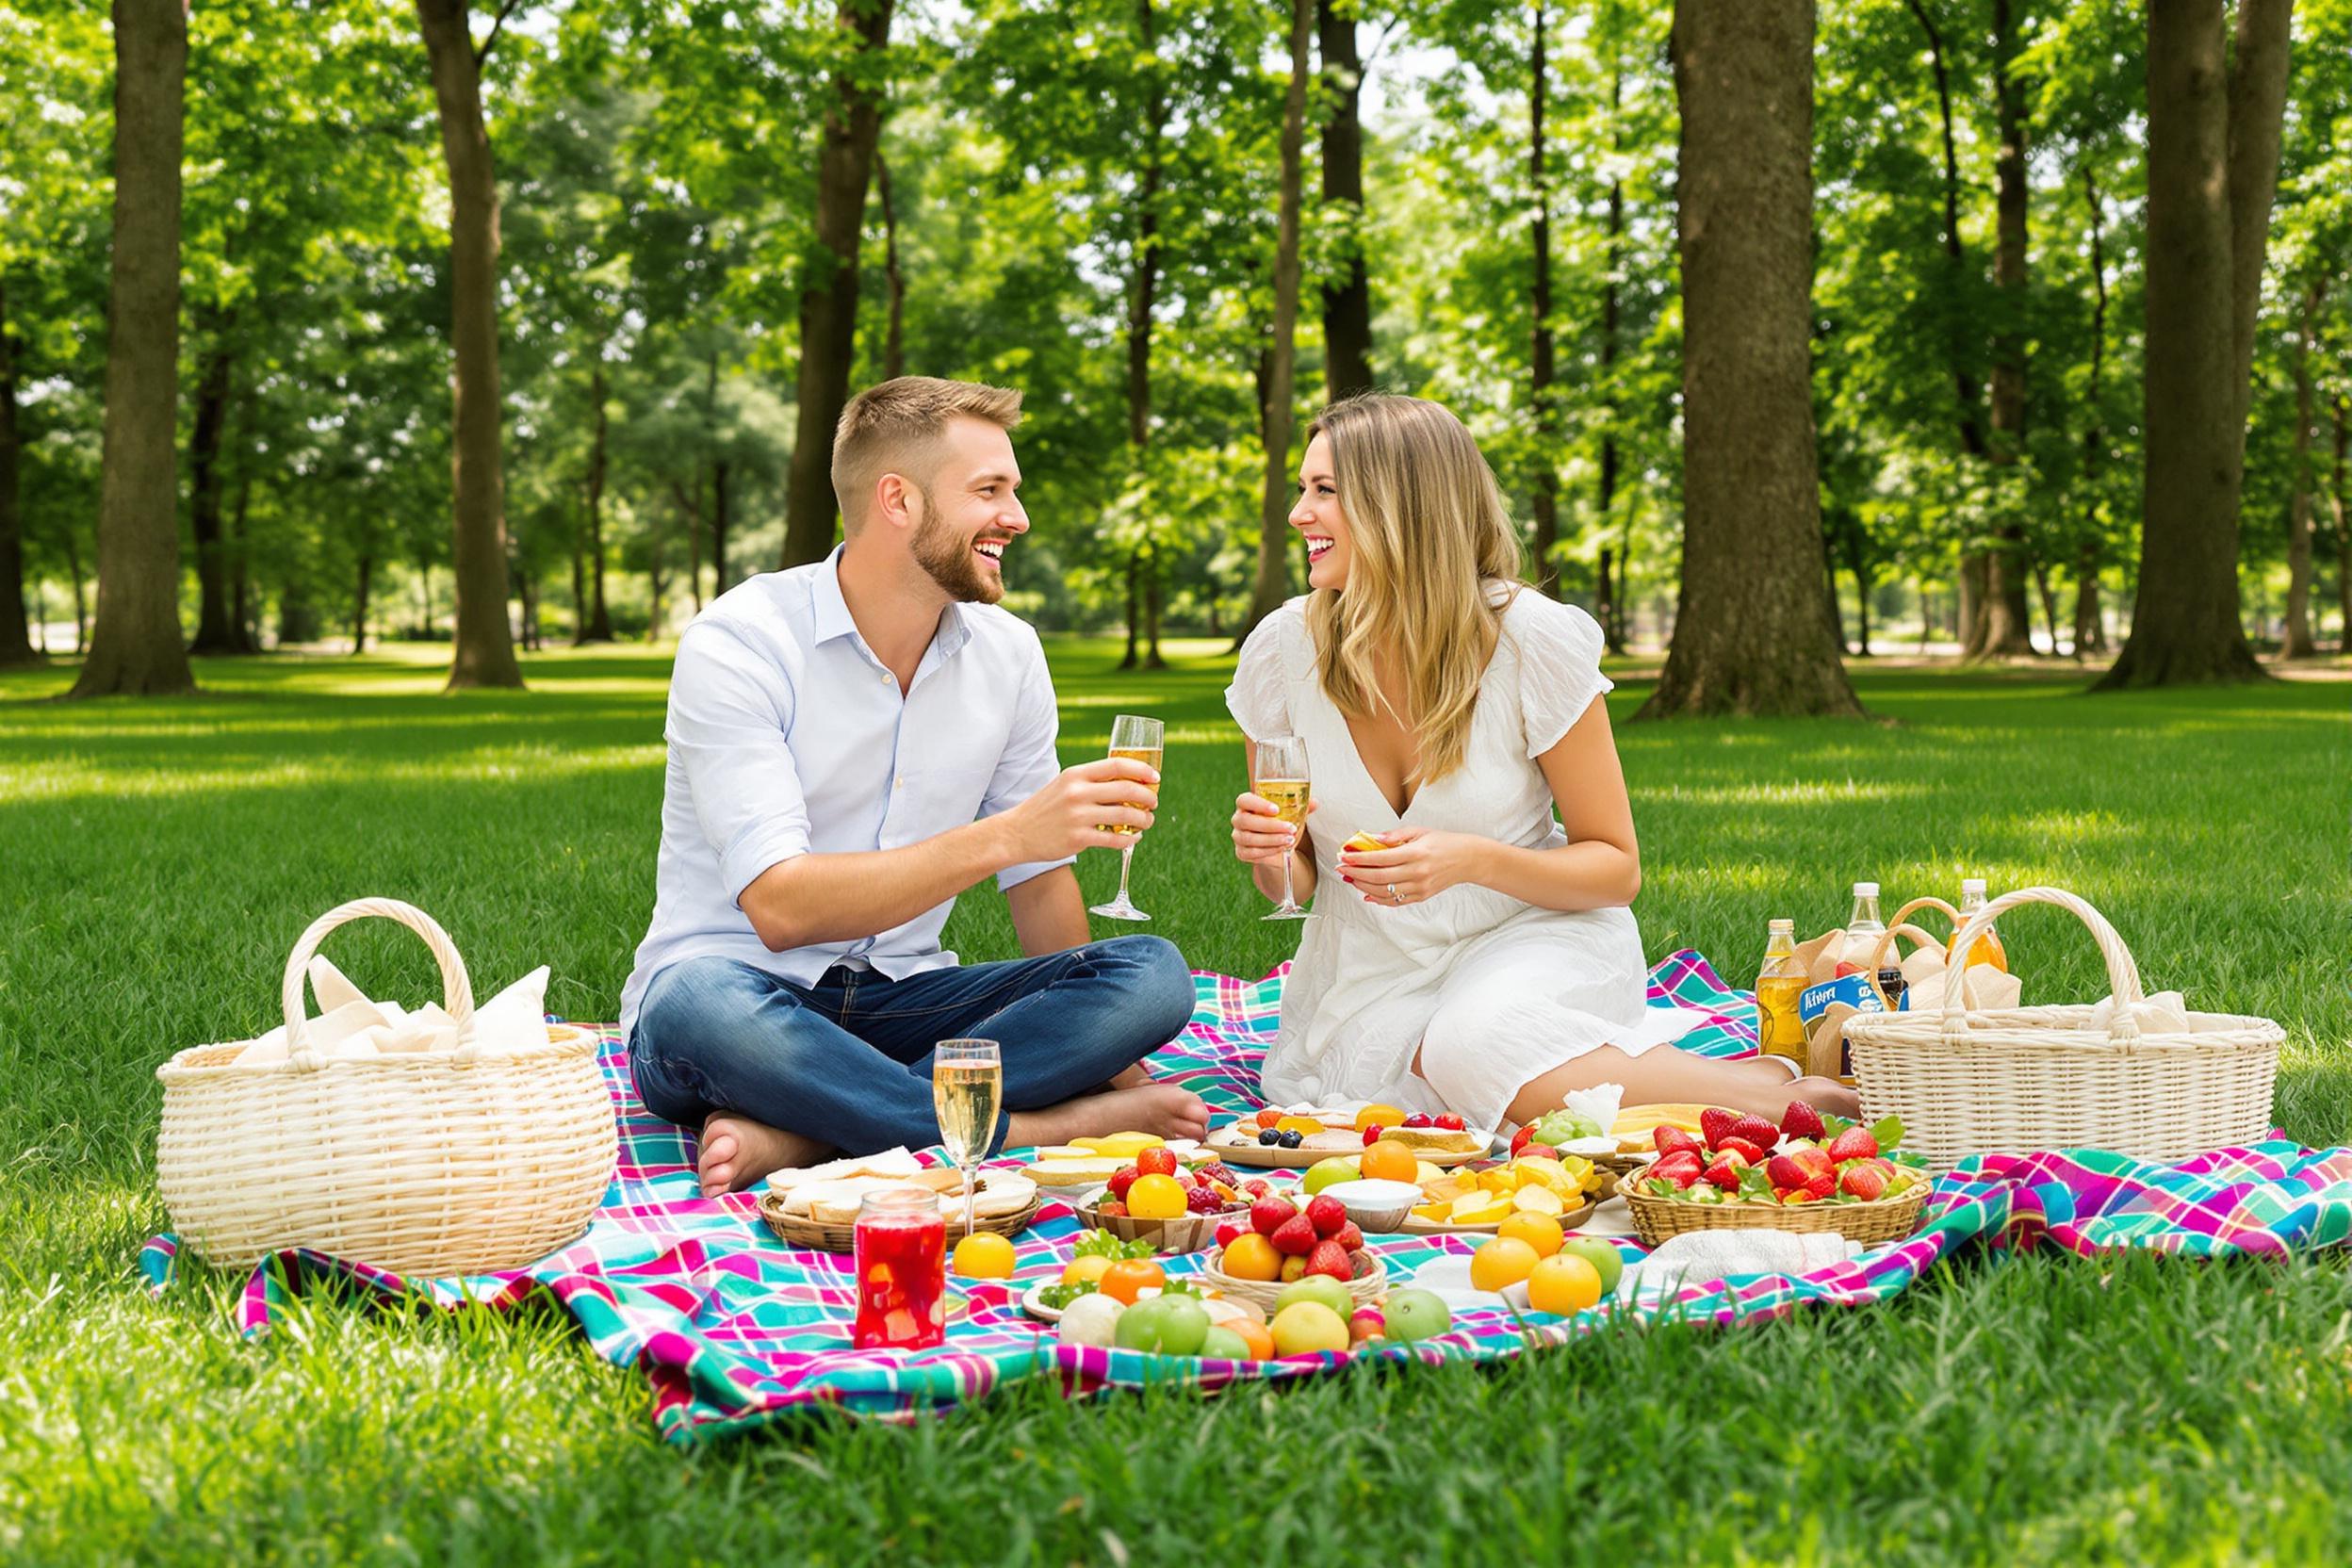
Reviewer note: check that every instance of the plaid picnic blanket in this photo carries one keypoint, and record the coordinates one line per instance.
(734, 1329)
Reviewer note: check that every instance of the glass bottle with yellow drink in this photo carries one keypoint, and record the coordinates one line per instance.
(1778, 1028)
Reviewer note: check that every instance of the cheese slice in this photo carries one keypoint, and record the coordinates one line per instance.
(1090, 1170)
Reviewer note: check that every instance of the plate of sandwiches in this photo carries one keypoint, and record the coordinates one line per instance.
(1306, 1138)
(817, 1206)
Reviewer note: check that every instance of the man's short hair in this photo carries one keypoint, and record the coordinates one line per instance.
(899, 427)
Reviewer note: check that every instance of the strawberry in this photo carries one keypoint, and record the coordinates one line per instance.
(1520, 1140)
(1824, 1186)
(1417, 1119)
(1372, 1134)
(1450, 1122)
(1158, 1162)
(1801, 1120)
(1326, 1214)
(1203, 1199)
(1681, 1167)
(1855, 1143)
(1716, 1124)
(1228, 1234)
(1752, 1153)
(1219, 1172)
(1120, 1181)
(1724, 1172)
(1786, 1171)
(1755, 1130)
(1864, 1181)
(1257, 1189)
(1671, 1138)
(1270, 1214)
(1350, 1237)
(1331, 1258)
(1294, 1236)
(1813, 1161)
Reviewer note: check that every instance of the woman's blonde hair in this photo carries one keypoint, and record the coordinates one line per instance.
(1426, 529)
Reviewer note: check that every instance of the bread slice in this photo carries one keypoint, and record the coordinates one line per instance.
(1092, 1170)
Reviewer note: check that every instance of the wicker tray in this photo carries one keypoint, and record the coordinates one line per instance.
(2026, 1079)
(828, 1236)
(1183, 1233)
(1368, 1285)
(1886, 1220)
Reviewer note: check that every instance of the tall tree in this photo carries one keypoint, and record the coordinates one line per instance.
(1546, 499)
(1751, 631)
(1143, 566)
(2090, 631)
(485, 648)
(2213, 128)
(828, 296)
(2299, 642)
(16, 647)
(2008, 627)
(136, 648)
(1348, 295)
(1273, 579)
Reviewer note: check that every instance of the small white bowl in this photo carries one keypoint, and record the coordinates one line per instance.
(1376, 1206)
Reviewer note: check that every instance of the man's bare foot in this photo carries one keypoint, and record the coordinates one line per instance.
(735, 1152)
(1164, 1110)
(1132, 1077)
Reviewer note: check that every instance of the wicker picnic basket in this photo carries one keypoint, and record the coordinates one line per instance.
(2019, 1080)
(1882, 1220)
(425, 1163)
(1366, 1286)
(831, 1235)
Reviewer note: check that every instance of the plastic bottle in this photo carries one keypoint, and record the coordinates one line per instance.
(1863, 928)
(1779, 1030)
(1988, 949)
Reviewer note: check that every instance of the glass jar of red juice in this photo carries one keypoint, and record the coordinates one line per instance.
(902, 1271)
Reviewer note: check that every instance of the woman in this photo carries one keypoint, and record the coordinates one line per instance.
(1483, 960)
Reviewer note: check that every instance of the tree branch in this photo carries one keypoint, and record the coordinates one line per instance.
(507, 8)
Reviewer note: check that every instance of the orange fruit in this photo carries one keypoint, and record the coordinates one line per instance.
(1388, 1161)
(1505, 1261)
(1155, 1198)
(1128, 1278)
(984, 1255)
(1537, 1231)
(1258, 1337)
(1563, 1284)
(1378, 1115)
(1090, 1268)
(1252, 1257)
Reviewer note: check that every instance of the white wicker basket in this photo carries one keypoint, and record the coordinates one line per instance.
(2019, 1080)
(426, 1164)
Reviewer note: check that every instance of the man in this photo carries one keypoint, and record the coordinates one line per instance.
(851, 745)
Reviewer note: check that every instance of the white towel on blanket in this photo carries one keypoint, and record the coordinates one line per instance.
(1699, 1258)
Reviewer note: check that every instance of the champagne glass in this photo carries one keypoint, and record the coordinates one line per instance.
(966, 1086)
(1138, 739)
(1281, 776)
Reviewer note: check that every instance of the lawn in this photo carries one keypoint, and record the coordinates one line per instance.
(158, 859)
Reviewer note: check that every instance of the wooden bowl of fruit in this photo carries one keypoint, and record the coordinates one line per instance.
(1282, 1242)
(1477, 1199)
(1811, 1173)
(1177, 1211)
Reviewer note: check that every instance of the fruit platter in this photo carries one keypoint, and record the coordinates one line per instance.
(1529, 1191)
(1153, 1199)
(1111, 1295)
(1285, 1239)
(1810, 1172)
(1279, 1139)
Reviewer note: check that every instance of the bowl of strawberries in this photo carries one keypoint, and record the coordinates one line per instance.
(1809, 1172)
(1178, 1211)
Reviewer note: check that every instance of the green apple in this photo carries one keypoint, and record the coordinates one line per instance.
(1416, 1314)
(1324, 1173)
(1225, 1345)
(1320, 1288)
(1171, 1325)
(1605, 1260)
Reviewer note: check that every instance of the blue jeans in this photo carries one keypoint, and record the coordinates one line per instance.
(848, 1061)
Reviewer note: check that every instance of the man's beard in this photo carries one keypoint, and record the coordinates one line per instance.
(947, 555)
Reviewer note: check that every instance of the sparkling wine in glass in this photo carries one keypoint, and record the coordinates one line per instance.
(1281, 776)
(967, 1087)
(1138, 739)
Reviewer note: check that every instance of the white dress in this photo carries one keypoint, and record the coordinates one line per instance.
(1490, 990)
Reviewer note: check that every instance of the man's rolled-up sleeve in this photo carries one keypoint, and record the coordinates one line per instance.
(1029, 762)
(730, 711)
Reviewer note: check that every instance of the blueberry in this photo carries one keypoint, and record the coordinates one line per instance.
(1269, 1137)
(1290, 1139)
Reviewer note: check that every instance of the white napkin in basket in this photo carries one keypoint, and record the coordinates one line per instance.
(352, 1027)
(2166, 1013)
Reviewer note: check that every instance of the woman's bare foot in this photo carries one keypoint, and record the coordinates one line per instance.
(1164, 1110)
(735, 1152)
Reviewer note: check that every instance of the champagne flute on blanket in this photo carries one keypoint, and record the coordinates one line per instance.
(1280, 775)
(967, 1087)
(1138, 739)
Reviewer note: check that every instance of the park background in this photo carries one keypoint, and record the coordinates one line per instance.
(1977, 413)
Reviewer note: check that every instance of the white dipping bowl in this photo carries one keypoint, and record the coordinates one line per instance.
(1375, 1205)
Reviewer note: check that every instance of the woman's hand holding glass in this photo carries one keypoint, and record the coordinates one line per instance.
(1261, 838)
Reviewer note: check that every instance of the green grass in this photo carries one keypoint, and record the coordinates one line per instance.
(158, 858)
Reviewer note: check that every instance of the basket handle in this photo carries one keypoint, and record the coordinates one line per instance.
(2123, 974)
(1926, 900)
(1879, 952)
(457, 989)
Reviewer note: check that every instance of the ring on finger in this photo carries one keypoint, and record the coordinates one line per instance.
(1394, 896)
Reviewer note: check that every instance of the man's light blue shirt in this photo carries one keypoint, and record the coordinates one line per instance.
(788, 736)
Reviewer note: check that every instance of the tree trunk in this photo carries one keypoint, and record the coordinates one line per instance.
(828, 304)
(2209, 190)
(1273, 580)
(81, 603)
(1134, 607)
(1546, 501)
(214, 631)
(1348, 299)
(599, 621)
(15, 645)
(893, 282)
(2090, 634)
(2299, 642)
(2008, 619)
(2050, 601)
(1151, 583)
(484, 651)
(2339, 501)
(580, 591)
(1969, 618)
(1605, 601)
(1142, 292)
(1751, 634)
(691, 517)
(1612, 620)
(359, 605)
(136, 648)
(1860, 567)
(2090, 631)
(242, 611)
(720, 492)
